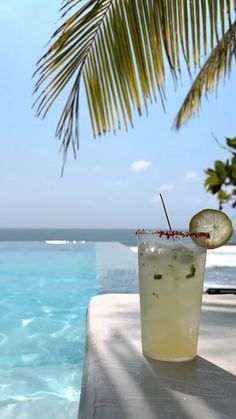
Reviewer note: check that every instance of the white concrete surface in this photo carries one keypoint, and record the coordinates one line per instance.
(120, 383)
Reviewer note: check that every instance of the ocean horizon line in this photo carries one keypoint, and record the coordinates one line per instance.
(89, 228)
(69, 228)
(125, 236)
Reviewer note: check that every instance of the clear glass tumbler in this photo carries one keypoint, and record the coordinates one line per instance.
(171, 275)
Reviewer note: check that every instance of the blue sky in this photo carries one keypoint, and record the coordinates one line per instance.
(116, 180)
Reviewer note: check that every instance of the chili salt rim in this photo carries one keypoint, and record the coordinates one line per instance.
(168, 234)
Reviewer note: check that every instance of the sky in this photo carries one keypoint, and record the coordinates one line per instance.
(116, 180)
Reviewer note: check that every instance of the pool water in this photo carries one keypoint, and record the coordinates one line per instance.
(44, 292)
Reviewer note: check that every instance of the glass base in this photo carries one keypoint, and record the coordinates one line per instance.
(157, 358)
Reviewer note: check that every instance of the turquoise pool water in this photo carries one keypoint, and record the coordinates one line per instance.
(44, 292)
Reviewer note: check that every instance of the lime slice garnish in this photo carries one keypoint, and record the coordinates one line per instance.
(216, 223)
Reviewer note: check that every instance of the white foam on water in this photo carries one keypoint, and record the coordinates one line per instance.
(56, 241)
(224, 256)
(61, 242)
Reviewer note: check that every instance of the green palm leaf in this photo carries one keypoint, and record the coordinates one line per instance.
(218, 64)
(121, 49)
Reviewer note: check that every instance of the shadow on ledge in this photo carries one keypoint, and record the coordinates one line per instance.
(124, 384)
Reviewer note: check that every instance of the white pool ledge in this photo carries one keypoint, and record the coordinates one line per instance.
(119, 383)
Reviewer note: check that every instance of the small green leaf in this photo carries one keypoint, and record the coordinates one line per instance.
(212, 180)
(223, 195)
(220, 170)
(233, 171)
(192, 271)
(231, 142)
(215, 188)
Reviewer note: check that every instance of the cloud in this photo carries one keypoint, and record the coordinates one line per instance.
(140, 165)
(162, 188)
(191, 177)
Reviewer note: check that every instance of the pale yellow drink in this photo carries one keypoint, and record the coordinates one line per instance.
(171, 274)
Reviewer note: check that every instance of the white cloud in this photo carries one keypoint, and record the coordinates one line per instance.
(191, 177)
(140, 165)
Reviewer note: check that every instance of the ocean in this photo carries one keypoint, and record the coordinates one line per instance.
(125, 236)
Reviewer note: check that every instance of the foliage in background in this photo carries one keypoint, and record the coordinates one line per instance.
(221, 181)
(122, 49)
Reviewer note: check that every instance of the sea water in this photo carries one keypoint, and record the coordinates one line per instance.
(44, 292)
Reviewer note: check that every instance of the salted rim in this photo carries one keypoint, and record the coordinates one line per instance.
(176, 233)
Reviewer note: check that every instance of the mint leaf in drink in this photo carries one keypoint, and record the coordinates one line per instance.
(157, 276)
(192, 271)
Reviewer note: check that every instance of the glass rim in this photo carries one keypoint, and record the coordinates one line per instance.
(174, 233)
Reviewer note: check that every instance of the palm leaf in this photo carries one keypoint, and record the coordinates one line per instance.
(120, 49)
(217, 65)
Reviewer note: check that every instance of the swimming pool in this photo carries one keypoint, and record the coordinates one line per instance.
(44, 292)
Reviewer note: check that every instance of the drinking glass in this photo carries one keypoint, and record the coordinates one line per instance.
(171, 275)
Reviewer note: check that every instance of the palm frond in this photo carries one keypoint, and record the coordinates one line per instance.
(217, 65)
(121, 50)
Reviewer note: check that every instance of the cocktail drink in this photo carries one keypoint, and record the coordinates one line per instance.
(171, 275)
